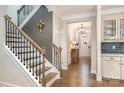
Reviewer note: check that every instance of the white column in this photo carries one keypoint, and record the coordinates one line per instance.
(99, 73)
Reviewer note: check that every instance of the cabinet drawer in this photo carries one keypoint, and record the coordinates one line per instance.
(111, 58)
(122, 59)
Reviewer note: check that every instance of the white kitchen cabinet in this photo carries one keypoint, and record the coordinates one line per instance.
(122, 71)
(122, 68)
(111, 69)
(121, 27)
(113, 28)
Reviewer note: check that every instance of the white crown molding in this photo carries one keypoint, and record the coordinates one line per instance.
(113, 11)
(81, 15)
(90, 14)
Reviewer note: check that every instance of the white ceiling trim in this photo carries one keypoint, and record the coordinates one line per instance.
(90, 14)
(82, 15)
(113, 11)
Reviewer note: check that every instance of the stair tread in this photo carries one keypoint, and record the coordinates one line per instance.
(16, 42)
(50, 76)
(11, 33)
(39, 72)
(20, 46)
(35, 64)
(26, 52)
(31, 58)
(13, 37)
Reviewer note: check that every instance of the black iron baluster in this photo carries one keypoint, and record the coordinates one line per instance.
(18, 44)
(27, 53)
(21, 47)
(30, 59)
(13, 31)
(24, 51)
(54, 57)
(6, 28)
(33, 59)
(8, 34)
(39, 67)
(36, 62)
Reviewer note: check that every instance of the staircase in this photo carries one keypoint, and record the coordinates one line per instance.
(30, 54)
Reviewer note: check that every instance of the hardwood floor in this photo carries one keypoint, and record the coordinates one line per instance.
(78, 75)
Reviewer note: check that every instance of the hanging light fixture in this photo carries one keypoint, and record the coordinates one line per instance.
(82, 29)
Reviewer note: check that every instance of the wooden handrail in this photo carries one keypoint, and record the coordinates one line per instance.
(25, 35)
(55, 46)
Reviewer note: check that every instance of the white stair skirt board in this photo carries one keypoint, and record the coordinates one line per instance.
(29, 16)
(5, 84)
(21, 66)
(29, 74)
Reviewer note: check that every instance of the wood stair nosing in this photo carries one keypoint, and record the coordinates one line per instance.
(26, 52)
(39, 72)
(11, 33)
(35, 64)
(31, 58)
(20, 47)
(13, 37)
(49, 76)
(16, 42)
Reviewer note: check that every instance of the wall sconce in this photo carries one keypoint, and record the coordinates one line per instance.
(40, 25)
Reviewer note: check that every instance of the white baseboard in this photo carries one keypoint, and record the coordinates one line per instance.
(5, 84)
(99, 78)
(93, 71)
(64, 68)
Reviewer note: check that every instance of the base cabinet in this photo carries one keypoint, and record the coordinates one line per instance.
(122, 71)
(111, 69)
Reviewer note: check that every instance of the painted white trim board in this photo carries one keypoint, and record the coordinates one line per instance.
(21, 66)
(5, 84)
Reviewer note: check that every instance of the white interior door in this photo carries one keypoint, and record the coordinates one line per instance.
(85, 40)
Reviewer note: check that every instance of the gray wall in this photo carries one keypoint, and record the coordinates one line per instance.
(44, 38)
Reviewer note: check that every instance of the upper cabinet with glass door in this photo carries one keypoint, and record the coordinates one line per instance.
(110, 32)
(113, 28)
(121, 27)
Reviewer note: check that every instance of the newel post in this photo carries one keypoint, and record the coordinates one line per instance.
(60, 68)
(43, 67)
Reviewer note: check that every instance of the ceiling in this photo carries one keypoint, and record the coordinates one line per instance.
(67, 10)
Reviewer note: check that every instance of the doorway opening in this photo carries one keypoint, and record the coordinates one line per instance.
(79, 42)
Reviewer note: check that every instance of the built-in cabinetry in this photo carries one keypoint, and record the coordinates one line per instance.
(113, 66)
(113, 28)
